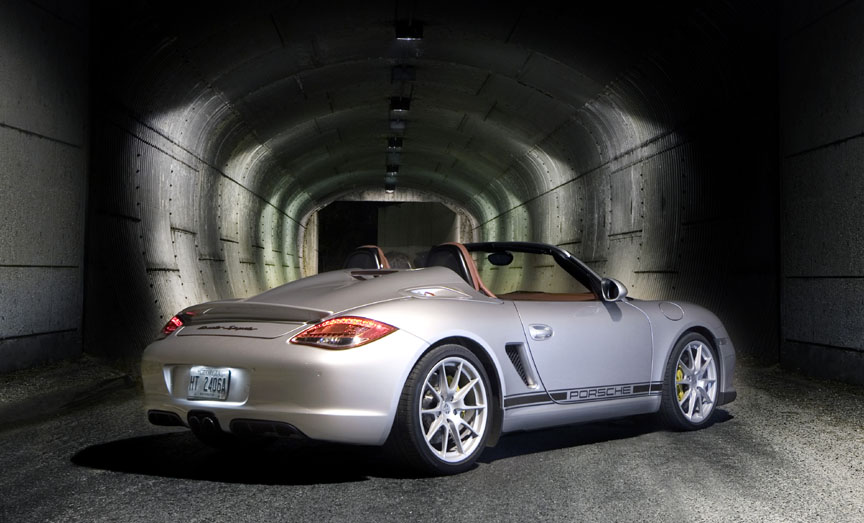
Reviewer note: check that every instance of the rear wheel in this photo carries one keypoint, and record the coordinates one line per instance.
(444, 415)
(690, 384)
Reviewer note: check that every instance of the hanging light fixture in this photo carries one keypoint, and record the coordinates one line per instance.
(408, 29)
(390, 179)
(400, 104)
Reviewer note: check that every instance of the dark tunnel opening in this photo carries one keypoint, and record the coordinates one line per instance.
(342, 227)
(675, 147)
(403, 230)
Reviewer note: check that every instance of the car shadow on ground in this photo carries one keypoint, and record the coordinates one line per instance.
(266, 462)
(284, 462)
(532, 442)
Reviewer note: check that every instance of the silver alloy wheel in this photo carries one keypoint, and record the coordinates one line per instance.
(453, 409)
(696, 382)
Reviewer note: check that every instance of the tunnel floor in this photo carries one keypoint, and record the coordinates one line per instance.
(789, 449)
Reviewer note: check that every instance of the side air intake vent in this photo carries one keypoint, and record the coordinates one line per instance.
(516, 353)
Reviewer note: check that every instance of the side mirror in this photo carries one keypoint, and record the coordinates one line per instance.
(612, 289)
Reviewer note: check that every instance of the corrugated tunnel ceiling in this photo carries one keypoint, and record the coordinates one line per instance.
(634, 135)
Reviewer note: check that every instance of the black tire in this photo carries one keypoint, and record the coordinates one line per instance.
(689, 399)
(408, 440)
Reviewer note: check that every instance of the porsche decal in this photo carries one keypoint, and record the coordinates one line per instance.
(585, 394)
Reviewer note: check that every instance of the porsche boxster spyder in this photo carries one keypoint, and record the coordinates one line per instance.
(437, 362)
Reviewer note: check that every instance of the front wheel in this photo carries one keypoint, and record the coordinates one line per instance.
(690, 384)
(444, 414)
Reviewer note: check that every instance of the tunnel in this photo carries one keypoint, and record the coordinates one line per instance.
(155, 155)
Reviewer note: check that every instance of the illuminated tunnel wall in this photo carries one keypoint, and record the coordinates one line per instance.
(643, 138)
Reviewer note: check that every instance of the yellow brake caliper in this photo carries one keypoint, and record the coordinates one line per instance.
(450, 383)
(679, 375)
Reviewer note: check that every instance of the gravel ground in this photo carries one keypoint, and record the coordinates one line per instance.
(788, 449)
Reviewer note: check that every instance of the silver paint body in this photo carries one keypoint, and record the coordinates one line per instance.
(568, 349)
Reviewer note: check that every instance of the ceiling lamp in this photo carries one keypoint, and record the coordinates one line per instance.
(409, 30)
(390, 179)
(400, 104)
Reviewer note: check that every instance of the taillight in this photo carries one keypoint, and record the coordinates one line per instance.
(343, 333)
(173, 324)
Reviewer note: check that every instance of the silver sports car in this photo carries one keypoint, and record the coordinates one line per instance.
(437, 362)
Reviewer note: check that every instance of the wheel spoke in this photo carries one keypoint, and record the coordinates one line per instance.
(460, 395)
(703, 395)
(457, 439)
(464, 423)
(704, 368)
(435, 392)
(443, 387)
(444, 444)
(686, 396)
(691, 405)
(433, 428)
(456, 377)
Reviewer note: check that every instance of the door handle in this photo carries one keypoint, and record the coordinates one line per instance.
(540, 332)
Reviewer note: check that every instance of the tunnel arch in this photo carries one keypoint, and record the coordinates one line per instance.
(612, 132)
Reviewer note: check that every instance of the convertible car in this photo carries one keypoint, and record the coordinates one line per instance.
(437, 362)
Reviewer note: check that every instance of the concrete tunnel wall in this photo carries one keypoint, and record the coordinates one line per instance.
(44, 145)
(822, 163)
(646, 145)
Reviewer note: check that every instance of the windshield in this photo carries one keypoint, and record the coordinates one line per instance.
(527, 274)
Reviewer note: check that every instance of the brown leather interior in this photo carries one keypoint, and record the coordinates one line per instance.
(383, 259)
(548, 296)
(366, 257)
(472, 269)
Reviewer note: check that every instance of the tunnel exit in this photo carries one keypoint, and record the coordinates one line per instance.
(404, 231)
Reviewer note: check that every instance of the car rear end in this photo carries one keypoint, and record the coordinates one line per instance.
(301, 378)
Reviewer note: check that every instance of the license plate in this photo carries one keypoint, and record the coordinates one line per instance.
(208, 383)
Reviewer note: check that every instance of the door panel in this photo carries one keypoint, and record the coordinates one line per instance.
(588, 350)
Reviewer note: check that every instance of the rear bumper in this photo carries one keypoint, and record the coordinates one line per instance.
(347, 396)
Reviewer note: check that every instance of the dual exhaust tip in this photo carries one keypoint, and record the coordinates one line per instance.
(206, 424)
(203, 423)
(200, 422)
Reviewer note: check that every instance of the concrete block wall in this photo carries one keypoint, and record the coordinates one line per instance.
(43, 179)
(822, 162)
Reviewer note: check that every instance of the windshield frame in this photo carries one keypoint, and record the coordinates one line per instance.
(571, 264)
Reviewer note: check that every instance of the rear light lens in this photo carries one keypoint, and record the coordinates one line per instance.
(346, 332)
(173, 324)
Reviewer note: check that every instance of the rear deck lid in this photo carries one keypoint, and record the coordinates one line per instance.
(241, 329)
(246, 319)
